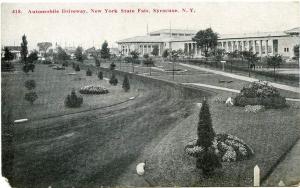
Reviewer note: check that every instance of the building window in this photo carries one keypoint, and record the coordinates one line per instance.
(287, 49)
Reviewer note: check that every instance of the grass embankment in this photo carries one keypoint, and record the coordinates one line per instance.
(270, 133)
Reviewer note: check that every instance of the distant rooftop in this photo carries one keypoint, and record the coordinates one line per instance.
(166, 38)
(181, 31)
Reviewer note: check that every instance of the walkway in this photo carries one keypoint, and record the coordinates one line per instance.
(227, 89)
(244, 78)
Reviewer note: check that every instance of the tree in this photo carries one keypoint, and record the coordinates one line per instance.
(274, 61)
(77, 68)
(8, 56)
(43, 46)
(206, 135)
(134, 55)
(97, 62)
(155, 51)
(296, 52)
(206, 40)
(251, 58)
(61, 54)
(24, 50)
(78, 54)
(33, 56)
(217, 54)
(73, 101)
(31, 97)
(113, 80)
(89, 72)
(100, 75)
(165, 53)
(104, 52)
(126, 85)
(174, 55)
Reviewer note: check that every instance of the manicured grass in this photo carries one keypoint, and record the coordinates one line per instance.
(52, 88)
(270, 133)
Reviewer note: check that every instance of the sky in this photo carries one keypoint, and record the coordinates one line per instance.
(91, 29)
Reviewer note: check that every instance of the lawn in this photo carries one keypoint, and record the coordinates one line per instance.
(52, 88)
(270, 133)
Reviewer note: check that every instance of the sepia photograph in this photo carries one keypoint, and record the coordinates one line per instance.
(150, 94)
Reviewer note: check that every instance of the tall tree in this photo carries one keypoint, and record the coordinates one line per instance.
(155, 51)
(274, 61)
(24, 49)
(209, 161)
(165, 53)
(43, 46)
(104, 52)
(251, 58)
(296, 52)
(79, 54)
(206, 40)
(134, 58)
(8, 56)
(61, 54)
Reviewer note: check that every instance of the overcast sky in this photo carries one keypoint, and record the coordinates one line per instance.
(89, 28)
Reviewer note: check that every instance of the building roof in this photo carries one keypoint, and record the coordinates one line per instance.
(182, 31)
(295, 30)
(160, 39)
(13, 48)
(253, 35)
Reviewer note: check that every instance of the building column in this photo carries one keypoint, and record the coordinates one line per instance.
(260, 47)
(271, 47)
(243, 46)
(253, 46)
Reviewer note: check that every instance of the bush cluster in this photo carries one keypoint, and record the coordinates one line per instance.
(30, 84)
(89, 72)
(73, 101)
(31, 97)
(260, 93)
(100, 75)
(77, 68)
(113, 80)
(28, 67)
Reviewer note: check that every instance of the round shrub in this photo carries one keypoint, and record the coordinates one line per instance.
(31, 97)
(100, 75)
(73, 101)
(77, 68)
(260, 93)
(65, 64)
(30, 84)
(112, 66)
(90, 89)
(89, 72)
(113, 80)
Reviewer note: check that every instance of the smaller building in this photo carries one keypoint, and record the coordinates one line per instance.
(15, 50)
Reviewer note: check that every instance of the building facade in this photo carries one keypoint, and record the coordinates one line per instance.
(262, 43)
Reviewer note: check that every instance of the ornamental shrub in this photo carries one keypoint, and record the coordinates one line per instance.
(100, 75)
(89, 72)
(112, 66)
(31, 97)
(209, 161)
(260, 93)
(73, 101)
(113, 80)
(77, 68)
(30, 84)
(126, 85)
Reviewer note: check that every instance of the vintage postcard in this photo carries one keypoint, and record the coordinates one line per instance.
(146, 94)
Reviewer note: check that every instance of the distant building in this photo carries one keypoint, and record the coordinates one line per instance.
(90, 52)
(70, 51)
(114, 51)
(262, 43)
(15, 50)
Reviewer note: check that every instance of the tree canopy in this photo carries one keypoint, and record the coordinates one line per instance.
(79, 54)
(105, 51)
(33, 56)
(155, 51)
(8, 56)
(61, 54)
(43, 46)
(206, 40)
(24, 49)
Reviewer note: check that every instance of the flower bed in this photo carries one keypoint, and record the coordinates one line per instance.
(90, 89)
(260, 93)
(254, 108)
(227, 147)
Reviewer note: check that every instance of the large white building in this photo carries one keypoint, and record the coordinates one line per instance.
(263, 43)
